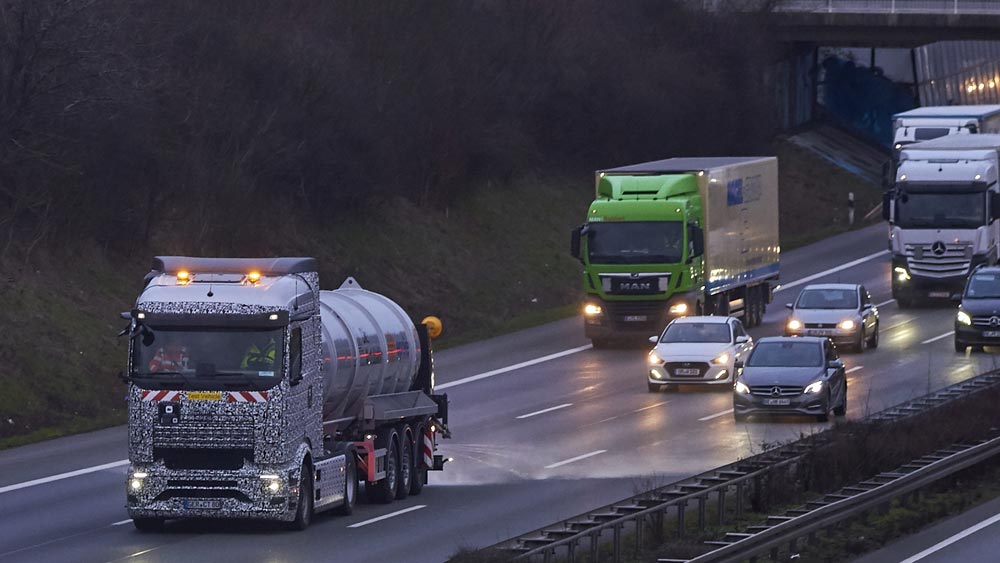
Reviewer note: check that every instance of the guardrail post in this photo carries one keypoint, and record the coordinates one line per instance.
(774, 554)
(681, 509)
(656, 525)
(722, 505)
(638, 534)
(595, 546)
(739, 501)
(616, 544)
(571, 551)
(548, 554)
(701, 512)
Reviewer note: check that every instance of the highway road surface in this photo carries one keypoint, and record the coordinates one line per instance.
(545, 428)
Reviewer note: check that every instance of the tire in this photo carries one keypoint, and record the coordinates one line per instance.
(405, 464)
(419, 473)
(960, 346)
(653, 387)
(600, 343)
(841, 409)
(739, 417)
(384, 490)
(148, 525)
(825, 417)
(304, 511)
(859, 345)
(873, 341)
(350, 484)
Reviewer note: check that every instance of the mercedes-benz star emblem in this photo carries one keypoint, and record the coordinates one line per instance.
(775, 391)
(994, 322)
(938, 248)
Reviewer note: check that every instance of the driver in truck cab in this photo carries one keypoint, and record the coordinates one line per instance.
(260, 355)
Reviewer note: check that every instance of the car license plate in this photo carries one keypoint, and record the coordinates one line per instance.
(687, 371)
(777, 402)
(991, 334)
(201, 504)
(819, 332)
(635, 318)
(942, 294)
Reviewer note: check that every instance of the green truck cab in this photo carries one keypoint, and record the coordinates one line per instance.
(678, 237)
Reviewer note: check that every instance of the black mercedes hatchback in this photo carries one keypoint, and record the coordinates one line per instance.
(977, 322)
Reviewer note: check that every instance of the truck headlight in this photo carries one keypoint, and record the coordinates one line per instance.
(721, 359)
(591, 310)
(741, 388)
(270, 482)
(679, 309)
(654, 358)
(794, 324)
(901, 273)
(846, 324)
(964, 318)
(814, 387)
(135, 484)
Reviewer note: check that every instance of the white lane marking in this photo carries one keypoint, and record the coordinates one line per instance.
(387, 516)
(854, 369)
(884, 303)
(939, 337)
(572, 459)
(543, 411)
(957, 537)
(660, 404)
(472, 378)
(123, 522)
(62, 476)
(716, 415)
(850, 264)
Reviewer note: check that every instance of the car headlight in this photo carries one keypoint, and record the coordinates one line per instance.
(794, 324)
(741, 388)
(721, 359)
(654, 358)
(847, 324)
(901, 273)
(964, 318)
(679, 309)
(591, 310)
(814, 387)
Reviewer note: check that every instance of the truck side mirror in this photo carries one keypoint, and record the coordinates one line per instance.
(994, 206)
(887, 175)
(574, 243)
(697, 238)
(887, 205)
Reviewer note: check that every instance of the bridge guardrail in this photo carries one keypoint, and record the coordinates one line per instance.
(890, 6)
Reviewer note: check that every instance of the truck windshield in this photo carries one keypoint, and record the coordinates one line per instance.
(941, 210)
(646, 242)
(207, 358)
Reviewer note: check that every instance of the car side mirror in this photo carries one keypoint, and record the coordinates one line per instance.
(834, 364)
(994, 206)
(789, 306)
(574, 243)
(654, 339)
(742, 339)
(738, 364)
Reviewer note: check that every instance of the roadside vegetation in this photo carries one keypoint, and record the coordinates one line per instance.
(437, 151)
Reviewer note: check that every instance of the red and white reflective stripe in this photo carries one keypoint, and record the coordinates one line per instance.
(160, 395)
(428, 448)
(247, 396)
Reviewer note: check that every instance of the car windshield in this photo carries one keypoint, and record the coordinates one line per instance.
(652, 242)
(697, 332)
(207, 358)
(955, 210)
(786, 354)
(984, 286)
(828, 299)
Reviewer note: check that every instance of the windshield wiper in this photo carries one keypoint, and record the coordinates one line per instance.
(156, 376)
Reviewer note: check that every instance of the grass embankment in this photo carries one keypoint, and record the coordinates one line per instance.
(494, 261)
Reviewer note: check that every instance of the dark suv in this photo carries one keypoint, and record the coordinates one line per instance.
(978, 320)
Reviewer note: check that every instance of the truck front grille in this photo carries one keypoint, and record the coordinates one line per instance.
(923, 261)
(637, 315)
(197, 430)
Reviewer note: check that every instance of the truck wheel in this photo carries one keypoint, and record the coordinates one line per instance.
(304, 511)
(148, 525)
(419, 473)
(350, 484)
(384, 490)
(405, 464)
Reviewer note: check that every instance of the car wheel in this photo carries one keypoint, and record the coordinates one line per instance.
(739, 417)
(841, 409)
(825, 417)
(859, 344)
(873, 341)
(960, 346)
(653, 387)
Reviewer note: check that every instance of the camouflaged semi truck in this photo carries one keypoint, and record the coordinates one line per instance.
(253, 394)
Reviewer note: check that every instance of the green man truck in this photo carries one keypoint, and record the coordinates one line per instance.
(678, 237)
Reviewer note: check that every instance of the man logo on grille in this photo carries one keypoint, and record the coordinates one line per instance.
(938, 248)
(775, 391)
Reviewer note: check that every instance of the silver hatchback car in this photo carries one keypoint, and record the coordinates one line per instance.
(842, 312)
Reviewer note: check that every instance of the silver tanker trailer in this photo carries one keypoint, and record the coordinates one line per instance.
(253, 394)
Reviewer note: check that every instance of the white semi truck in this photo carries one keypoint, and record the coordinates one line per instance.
(931, 122)
(253, 394)
(944, 214)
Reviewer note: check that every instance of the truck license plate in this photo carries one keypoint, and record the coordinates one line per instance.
(777, 402)
(991, 334)
(201, 504)
(687, 371)
(941, 294)
(635, 318)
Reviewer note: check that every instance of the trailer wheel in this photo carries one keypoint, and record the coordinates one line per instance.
(350, 484)
(384, 490)
(405, 464)
(304, 511)
(419, 473)
(148, 525)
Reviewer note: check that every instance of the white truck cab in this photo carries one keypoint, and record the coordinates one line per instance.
(932, 122)
(944, 214)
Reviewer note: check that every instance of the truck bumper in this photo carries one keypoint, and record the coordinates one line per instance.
(251, 492)
(911, 286)
(626, 320)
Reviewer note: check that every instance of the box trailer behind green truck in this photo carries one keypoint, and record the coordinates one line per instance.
(677, 237)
